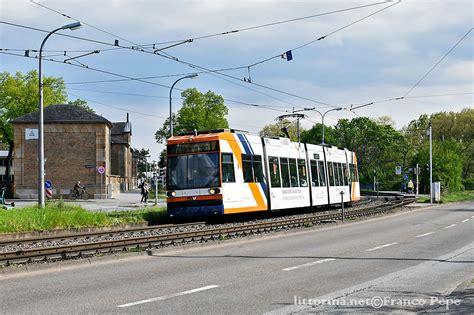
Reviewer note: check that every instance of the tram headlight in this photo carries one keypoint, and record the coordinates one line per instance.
(171, 194)
(214, 191)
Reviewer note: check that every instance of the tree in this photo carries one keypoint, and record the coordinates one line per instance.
(378, 147)
(199, 112)
(275, 130)
(314, 135)
(141, 155)
(82, 104)
(19, 96)
(447, 165)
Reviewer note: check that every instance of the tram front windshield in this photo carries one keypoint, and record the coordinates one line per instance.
(191, 171)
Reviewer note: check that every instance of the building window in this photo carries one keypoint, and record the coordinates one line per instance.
(302, 173)
(252, 168)
(274, 172)
(228, 174)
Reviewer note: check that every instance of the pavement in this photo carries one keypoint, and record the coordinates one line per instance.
(411, 262)
(125, 201)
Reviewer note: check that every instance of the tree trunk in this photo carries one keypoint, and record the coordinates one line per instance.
(9, 159)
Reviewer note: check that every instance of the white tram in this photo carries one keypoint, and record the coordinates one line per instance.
(227, 171)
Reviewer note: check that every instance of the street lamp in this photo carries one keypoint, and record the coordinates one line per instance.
(322, 118)
(430, 134)
(171, 91)
(72, 26)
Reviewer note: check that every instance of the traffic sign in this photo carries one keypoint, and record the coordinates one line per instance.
(48, 184)
(49, 193)
(101, 170)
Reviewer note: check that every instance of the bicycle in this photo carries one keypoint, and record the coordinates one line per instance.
(83, 194)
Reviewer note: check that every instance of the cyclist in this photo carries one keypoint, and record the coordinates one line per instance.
(76, 188)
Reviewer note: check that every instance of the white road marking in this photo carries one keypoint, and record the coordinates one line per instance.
(381, 246)
(450, 226)
(426, 234)
(308, 264)
(465, 220)
(165, 297)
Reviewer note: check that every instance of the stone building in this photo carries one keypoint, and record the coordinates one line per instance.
(76, 143)
(121, 154)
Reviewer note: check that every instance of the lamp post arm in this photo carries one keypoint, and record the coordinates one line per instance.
(41, 201)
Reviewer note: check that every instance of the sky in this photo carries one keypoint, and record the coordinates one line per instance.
(366, 56)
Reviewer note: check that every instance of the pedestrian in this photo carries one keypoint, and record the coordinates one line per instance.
(410, 187)
(142, 190)
(145, 192)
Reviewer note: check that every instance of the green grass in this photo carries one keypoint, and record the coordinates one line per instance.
(452, 197)
(60, 215)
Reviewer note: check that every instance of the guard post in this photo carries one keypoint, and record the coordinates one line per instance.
(342, 204)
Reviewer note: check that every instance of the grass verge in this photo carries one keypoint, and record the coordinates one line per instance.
(452, 197)
(61, 215)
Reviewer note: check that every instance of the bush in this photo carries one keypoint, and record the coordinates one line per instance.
(468, 183)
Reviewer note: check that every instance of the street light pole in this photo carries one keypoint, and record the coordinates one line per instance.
(41, 202)
(171, 91)
(322, 119)
(431, 162)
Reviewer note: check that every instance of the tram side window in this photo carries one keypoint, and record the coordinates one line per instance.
(247, 168)
(346, 174)
(252, 168)
(228, 174)
(332, 181)
(356, 173)
(337, 174)
(293, 173)
(314, 173)
(258, 169)
(322, 173)
(274, 171)
(285, 172)
(302, 173)
(341, 175)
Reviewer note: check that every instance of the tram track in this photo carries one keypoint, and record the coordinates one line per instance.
(203, 233)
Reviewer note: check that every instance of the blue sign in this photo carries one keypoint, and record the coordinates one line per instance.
(48, 184)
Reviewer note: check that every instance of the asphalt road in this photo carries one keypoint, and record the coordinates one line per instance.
(421, 254)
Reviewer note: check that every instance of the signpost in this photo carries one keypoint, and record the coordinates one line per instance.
(48, 185)
(101, 171)
(398, 170)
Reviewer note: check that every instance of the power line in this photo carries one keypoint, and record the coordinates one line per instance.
(439, 95)
(269, 107)
(438, 62)
(136, 79)
(117, 107)
(192, 39)
(167, 56)
(324, 36)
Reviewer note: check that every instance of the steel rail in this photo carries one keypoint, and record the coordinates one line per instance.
(73, 236)
(110, 246)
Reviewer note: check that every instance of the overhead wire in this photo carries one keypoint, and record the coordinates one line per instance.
(167, 56)
(202, 68)
(322, 37)
(136, 79)
(269, 107)
(116, 107)
(438, 62)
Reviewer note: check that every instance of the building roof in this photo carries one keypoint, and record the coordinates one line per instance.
(119, 128)
(63, 113)
(117, 140)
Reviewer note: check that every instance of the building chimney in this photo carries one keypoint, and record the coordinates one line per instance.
(127, 117)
